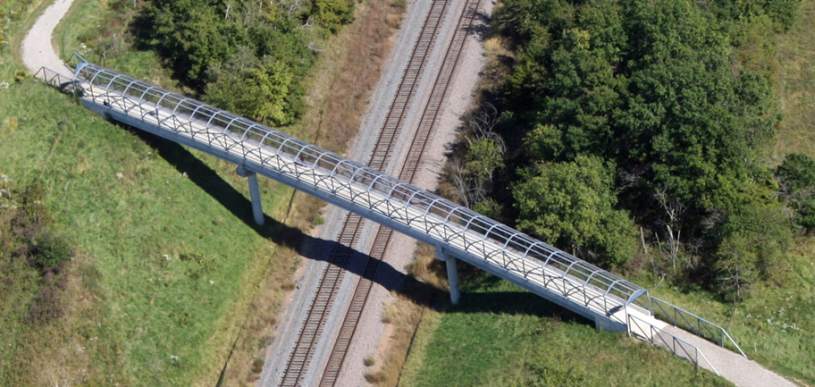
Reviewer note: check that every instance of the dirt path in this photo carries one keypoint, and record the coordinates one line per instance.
(37, 50)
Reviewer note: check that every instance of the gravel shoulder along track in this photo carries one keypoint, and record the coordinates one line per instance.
(278, 352)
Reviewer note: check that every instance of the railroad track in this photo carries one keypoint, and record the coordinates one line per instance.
(407, 173)
(331, 279)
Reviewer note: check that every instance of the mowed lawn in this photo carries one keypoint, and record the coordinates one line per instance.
(171, 257)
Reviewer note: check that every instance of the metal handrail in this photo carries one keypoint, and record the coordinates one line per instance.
(685, 319)
(653, 332)
(445, 221)
(54, 78)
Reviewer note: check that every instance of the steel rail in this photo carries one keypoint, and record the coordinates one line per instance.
(408, 171)
(352, 225)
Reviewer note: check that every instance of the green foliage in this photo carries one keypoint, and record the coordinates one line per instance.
(245, 56)
(782, 12)
(650, 87)
(753, 247)
(332, 14)
(484, 156)
(192, 36)
(260, 93)
(797, 177)
(573, 204)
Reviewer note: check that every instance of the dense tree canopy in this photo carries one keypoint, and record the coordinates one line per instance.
(652, 88)
(243, 55)
(797, 177)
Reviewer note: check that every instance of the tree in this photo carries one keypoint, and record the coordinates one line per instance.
(258, 92)
(753, 246)
(572, 205)
(192, 36)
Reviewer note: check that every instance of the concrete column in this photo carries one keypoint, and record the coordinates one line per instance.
(254, 192)
(452, 275)
(452, 280)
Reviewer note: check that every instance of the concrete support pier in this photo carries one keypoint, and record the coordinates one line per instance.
(452, 274)
(254, 192)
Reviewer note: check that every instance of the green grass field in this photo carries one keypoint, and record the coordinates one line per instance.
(169, 257)
(501, 335)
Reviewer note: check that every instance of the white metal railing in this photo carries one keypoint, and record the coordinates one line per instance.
(425, 215)
(53, 78)
(643, 330)
(690, 321)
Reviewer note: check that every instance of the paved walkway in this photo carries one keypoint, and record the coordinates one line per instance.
(731, 366)
(37, 48)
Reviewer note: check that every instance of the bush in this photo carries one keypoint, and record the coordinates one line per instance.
(332, 14)
(796, 176)
(31, 237)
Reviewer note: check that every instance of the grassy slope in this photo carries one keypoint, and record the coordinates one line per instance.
(175, 262)
(796, 57)
(775, 326)
(501, 335)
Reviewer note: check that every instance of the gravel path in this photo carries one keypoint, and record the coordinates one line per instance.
(37, 48)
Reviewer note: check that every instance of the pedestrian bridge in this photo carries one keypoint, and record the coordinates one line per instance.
(458, 233)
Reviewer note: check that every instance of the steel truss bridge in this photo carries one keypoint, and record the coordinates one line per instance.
(458, 233)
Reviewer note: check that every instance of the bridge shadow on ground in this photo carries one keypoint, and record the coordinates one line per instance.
(318, 249)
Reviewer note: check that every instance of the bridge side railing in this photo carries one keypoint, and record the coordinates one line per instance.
(53, 78)
(682, 318)
(517, 253)
(643, 330)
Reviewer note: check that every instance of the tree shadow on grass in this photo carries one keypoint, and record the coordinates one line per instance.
(318, 249)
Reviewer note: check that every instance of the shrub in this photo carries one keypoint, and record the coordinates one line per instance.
(796, 176)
